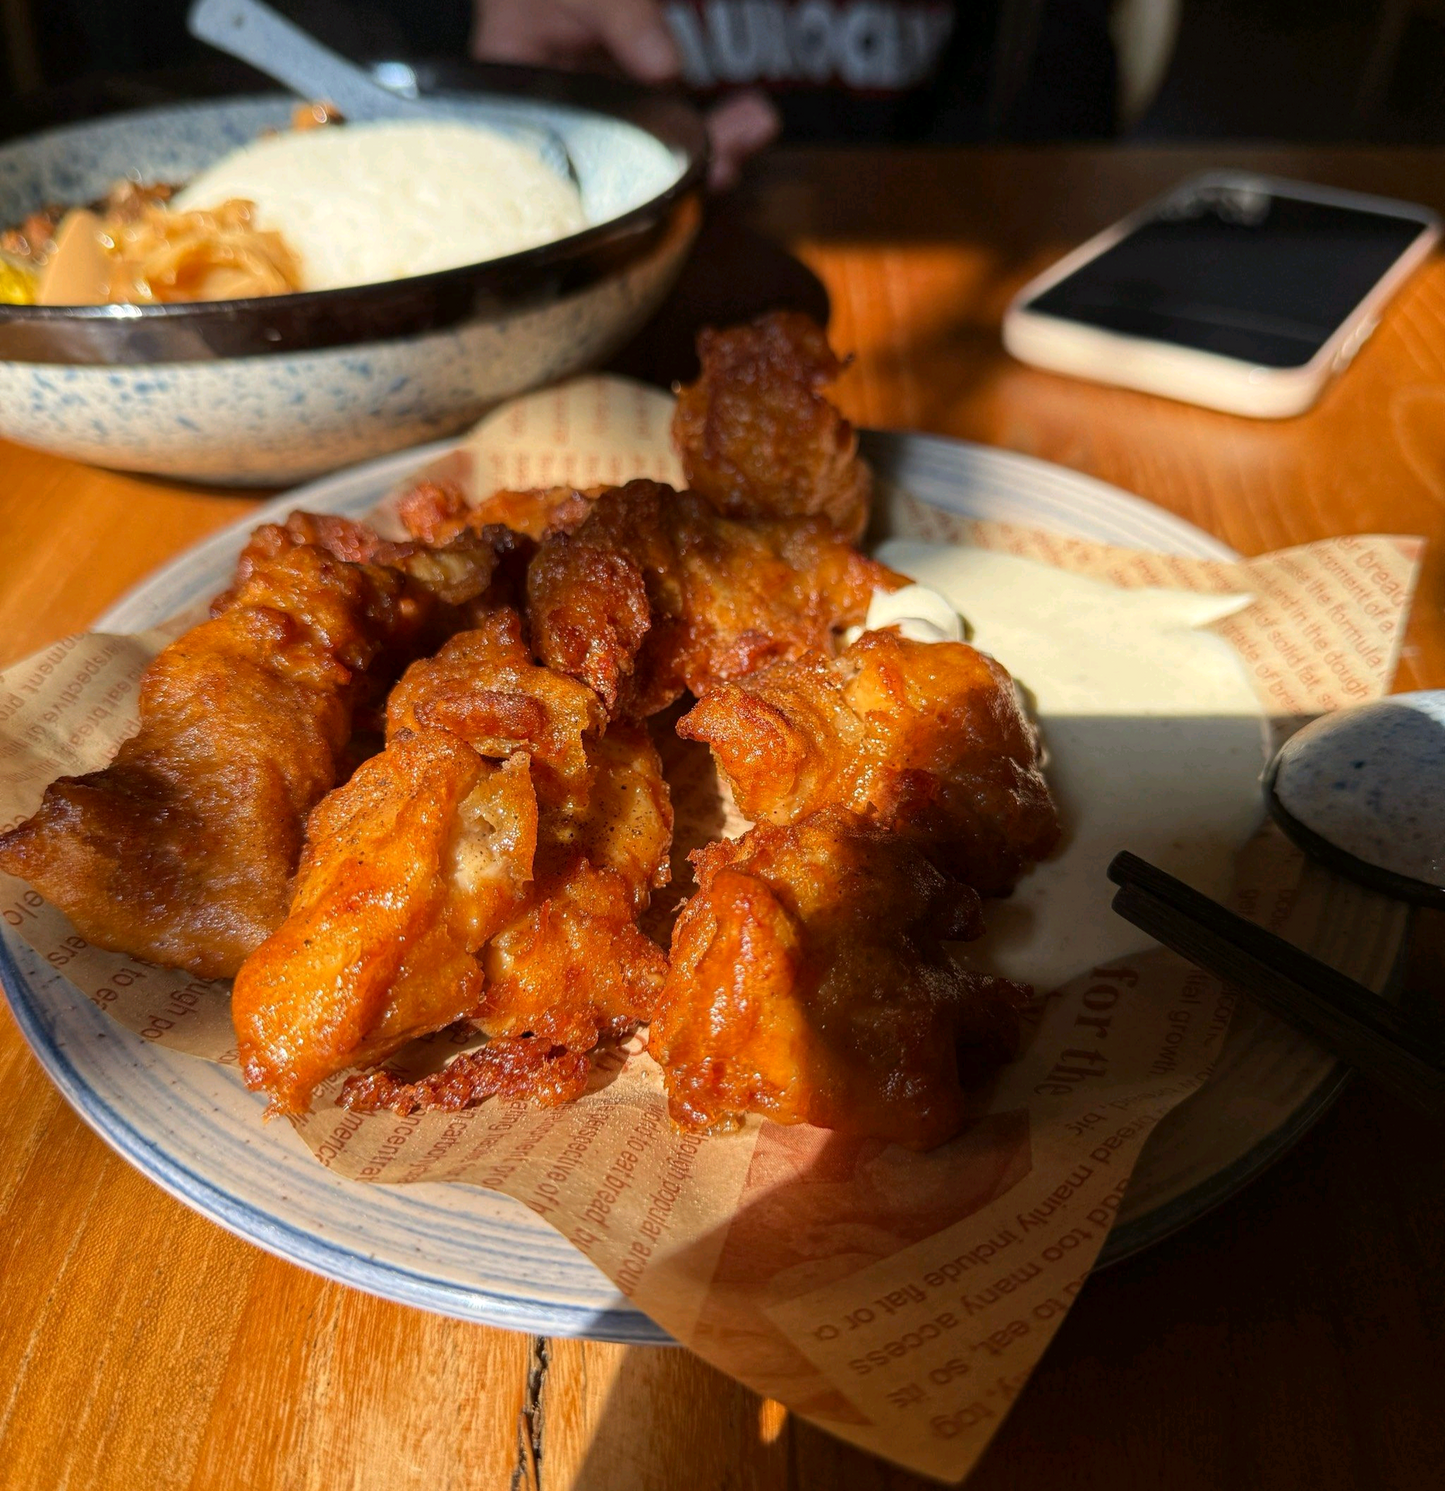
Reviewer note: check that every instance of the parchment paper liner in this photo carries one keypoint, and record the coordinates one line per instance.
(900, 1301)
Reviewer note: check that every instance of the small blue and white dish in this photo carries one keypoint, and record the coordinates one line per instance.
(267, 391)
(1360, 790)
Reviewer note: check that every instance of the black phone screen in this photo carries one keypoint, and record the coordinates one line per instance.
(1237, 270)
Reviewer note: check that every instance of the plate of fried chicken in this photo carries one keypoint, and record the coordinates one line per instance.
(394, 784)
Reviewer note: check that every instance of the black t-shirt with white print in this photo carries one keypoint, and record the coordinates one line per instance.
(904, 69)
(837, 69)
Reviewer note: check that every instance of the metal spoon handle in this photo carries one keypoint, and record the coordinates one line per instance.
(254, 33)
(270, 43)
(1342, 1015)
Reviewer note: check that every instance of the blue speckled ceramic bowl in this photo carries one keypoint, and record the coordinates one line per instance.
(267, 391)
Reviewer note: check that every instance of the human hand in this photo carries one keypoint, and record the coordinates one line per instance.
(632, 34)
(573, 33)
(741, 125)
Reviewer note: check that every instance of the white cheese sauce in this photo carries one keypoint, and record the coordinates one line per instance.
(920, 614)
(1153, 738)
(362, 203)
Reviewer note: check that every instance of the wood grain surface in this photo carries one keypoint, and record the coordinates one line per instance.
(1291, 1339)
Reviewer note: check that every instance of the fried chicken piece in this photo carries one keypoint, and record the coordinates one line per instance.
(455, 570)
(784, 737)
(437, 884)
(436, 511)
(589, 594)
(757, 440)
(341, 537)
(485, 689)
(893, 785)
(538, 512)
(413, 864)
(182, 849)
(572, 971)
(467, 576)
(924, 737)
(756, 436)
(655, 594)
(416, 862)
(574, 966)
(808, 984)
(408, 869)
(523, 1068)
(433, 511)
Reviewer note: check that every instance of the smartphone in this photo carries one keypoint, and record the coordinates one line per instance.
(1239, 292)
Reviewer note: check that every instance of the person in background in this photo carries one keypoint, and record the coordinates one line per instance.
(836, 69)
(828, 70)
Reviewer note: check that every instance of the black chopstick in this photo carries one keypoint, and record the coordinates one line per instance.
(1342, 1015)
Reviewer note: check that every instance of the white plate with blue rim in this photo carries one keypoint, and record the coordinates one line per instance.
(470, 1253)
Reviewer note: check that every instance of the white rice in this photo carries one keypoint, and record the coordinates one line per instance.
(360, 203)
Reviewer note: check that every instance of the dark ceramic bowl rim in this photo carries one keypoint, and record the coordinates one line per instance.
(316, 319)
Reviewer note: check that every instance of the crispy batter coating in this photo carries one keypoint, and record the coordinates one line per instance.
(655, 594)
(409, 868)
(808, 984)
(343, 538)
(413, 864)
(577, 956)
(455, 569)
(571, 971)
(756, 436)
(893, 784)
(485, 689)
(436, 511)
(924, 737)
(182, 849)
(523, 1068)
(437, 884)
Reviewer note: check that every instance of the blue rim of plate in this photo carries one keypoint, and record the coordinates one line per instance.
(294, 1244)
(931, 467)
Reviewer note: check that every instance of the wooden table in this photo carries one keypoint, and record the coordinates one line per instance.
(1294, 1338)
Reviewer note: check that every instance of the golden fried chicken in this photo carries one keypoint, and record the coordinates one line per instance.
(409, 868)
(454, 569)
(924, 737)
(655, 593)
(343, 538)
(418, 860)
(484, 688)
(436, 511)
(438, 884)
(756, 436)
(526, 1069)
(808, 984)
(894, 784)
(182, 849)
(571, 971)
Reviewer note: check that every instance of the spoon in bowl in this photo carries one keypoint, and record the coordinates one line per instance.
(1363, 791)
(255, 33)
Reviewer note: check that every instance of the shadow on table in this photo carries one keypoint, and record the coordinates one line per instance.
(816, 1208)
(1301, 1301)
(737, 272)
(733, 274)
